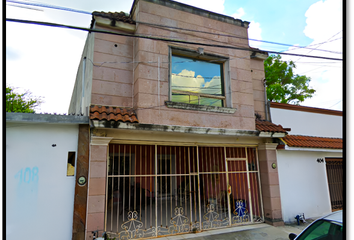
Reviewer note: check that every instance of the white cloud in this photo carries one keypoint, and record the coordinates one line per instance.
(188, 81)
(326, 75)
(255, 32)
(323, 18)
(239, 13)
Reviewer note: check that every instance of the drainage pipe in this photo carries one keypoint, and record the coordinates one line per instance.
(266, 101)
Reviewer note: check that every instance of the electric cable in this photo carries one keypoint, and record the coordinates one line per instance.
(321, 44)
(13, 5)
(160, 39)
(233, 36)
(49, 6)
(336, 103)
(171, 27)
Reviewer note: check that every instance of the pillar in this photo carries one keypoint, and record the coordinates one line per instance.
(97, 186)
(80, 198)
(270, 183)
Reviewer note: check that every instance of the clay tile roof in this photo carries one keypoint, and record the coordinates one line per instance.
(117, 16)
(106, 113)
(313, 142)
(265, 126)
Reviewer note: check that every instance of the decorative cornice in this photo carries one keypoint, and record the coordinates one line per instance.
(100, 140)
(267, 146)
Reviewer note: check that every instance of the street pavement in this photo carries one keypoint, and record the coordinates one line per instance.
(251, 232)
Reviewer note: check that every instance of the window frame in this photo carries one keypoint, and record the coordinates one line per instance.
(225, 78)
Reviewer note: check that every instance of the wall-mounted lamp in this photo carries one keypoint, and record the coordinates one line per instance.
(319, 160)
(274, 165)
(54, 145)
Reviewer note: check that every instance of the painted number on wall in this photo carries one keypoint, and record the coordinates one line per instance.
(27, 175)
(26, 196)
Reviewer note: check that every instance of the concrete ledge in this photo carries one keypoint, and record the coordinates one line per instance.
(204, 108)
(177, 129)
(45, 118)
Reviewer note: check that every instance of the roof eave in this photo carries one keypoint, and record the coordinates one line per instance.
(117, 25)
(313, 149)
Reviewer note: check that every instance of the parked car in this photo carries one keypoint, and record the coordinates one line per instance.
(329, 227)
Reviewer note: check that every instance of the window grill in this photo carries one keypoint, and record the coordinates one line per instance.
(334, 167)
(164, 190)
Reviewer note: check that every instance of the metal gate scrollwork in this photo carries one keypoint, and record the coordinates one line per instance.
(180, 222)
(211, 218)
(241, 213)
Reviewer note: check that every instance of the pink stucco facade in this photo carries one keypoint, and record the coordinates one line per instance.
(135, 72)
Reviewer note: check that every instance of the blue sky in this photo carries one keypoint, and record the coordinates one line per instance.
(282, 21)
(37, 55)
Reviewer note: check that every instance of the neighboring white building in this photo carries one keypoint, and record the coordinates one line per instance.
(308, 159)
(40, 186)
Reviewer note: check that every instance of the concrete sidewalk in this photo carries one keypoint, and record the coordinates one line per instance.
(250, 232)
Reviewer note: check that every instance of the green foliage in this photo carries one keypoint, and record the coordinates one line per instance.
(24, 103)
(283, 85)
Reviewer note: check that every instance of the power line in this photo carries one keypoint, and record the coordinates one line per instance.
(171, 27)
(102, 63)
(321, 44)
(49, 6)
(335, 104)
(14, 5)
(232, 36)
(160, 39)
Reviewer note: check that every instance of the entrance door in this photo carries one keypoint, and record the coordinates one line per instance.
(229, 186)
(334, 167)
(244, 187)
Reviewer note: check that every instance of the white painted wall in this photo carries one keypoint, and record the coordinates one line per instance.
(307, 123)
(39, 195)
(303, 183)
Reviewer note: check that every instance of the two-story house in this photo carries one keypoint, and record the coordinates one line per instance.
(173, 146)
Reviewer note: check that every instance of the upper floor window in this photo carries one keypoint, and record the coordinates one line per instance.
(197, 81)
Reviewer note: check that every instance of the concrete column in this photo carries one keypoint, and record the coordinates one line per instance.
(80, 198)
(270, 184)
(97, 185)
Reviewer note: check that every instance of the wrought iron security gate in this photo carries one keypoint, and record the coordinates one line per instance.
(334, 167)
(163, 190)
